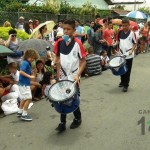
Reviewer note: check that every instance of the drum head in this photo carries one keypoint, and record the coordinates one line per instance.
(57, 91)
(116, 61)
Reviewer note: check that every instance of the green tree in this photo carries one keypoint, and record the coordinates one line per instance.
(121, 7)
(145, 10)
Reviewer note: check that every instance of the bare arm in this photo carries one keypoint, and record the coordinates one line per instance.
(6, 76)
(57, 62)
(26, 75)
(81, 69)
(8, 41)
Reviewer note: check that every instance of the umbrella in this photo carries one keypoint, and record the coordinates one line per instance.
(4, 51)
(49, 24)
(137, 15)
(37, 44)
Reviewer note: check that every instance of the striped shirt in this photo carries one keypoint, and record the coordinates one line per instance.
(93, 64)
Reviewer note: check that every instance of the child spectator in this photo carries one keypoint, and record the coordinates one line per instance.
(48, 81)
(8, 99)
(93, 64)
(14, 77)
(104, 60)
(39, 73)
(24, 83)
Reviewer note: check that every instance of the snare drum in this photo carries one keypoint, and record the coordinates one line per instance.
(118, 65)
(64, 102)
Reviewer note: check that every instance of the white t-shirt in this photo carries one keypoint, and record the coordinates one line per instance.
(106, 59)
(59, 29)
(69, 57)
(126, 42)
(15, 76)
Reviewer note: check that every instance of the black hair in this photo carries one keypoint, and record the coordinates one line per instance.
(125, 20)
(109, 19)
(149, 24)
(12, 31)
(91, 21)
(97, 16)
(99, 26)
(48, 63)
(110, 22)
(70, 22)
(46, 77)
(61, 21)
(42, 28)
(55, 27)
(102, 52)
(105, 20)
(77, 20)
(38, 62)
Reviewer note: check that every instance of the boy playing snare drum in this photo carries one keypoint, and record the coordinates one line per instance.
(70, 59)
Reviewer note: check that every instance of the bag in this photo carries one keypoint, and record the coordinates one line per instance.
(86, 45)
(10, 106)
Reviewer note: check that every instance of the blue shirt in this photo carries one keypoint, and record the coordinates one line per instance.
(79, 30)
(25, 67)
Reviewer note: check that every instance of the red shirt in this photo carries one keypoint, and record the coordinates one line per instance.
(109, 36)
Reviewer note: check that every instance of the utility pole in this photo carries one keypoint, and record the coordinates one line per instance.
(135, 5)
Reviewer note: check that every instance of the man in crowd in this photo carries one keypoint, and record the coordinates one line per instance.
(90, 33)
(79, 30)
(20, 24)
(108, 35)
(97, 19)
(93, 65)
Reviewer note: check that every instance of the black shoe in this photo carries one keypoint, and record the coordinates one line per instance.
(125, 89)
(61, 127)
(75, 124)
(120, 85)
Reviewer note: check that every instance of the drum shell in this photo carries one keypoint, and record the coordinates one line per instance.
(119, 70)
(64, 108)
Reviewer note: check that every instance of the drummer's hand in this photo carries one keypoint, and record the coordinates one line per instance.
(76, 78)
(130, 52)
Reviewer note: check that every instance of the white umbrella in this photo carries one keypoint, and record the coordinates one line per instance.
(49, 24)
(137, 15)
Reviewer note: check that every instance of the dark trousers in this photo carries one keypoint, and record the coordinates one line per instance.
(125, 79)
(109, 50)
(77, 115)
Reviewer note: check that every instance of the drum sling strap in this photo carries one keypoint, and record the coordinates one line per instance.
(65, 72)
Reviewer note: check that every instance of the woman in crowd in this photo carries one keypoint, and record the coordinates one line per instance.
(42, 31)
(143, 39)
(13, 43)
(7, 24)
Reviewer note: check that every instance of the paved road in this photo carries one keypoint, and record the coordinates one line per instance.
(109, 117)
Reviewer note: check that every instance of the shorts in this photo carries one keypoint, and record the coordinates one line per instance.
(25, 92)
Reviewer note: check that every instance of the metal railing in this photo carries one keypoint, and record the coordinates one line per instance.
(12, 17)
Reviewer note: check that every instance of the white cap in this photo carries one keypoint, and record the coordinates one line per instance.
(21, 17)
(59, 34)
(30, 20)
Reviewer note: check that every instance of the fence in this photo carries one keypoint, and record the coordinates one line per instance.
(42, 17)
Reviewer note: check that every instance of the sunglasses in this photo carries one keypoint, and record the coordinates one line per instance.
(13, 35)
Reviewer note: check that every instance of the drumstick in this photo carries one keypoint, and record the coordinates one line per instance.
(69, 89)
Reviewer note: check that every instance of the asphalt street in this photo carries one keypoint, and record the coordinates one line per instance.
(109, 117)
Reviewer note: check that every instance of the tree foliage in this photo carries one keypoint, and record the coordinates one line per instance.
(53, 7)
(121, 7)
(145, 10)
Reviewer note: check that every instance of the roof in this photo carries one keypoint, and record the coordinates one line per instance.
(113, 2)
(121, 12)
